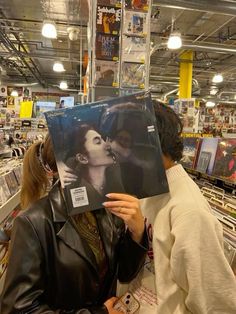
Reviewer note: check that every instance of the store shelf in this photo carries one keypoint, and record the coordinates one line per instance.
(8, 207)
(6, 154)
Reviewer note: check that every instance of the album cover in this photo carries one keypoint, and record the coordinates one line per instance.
(133, 75)
(106, 73)
(134, 49)
(19, 90)
(3, 101)
(108, 146)
(189, 151)
(135, 23)
(11, 182)
(203, 161)
(108, 20)
(4, 191)
(107, 47)
(116, 3)
(18, 174)
(208, 145)
(102, 93)
(137, 4)
(3, 91)
(225, 161)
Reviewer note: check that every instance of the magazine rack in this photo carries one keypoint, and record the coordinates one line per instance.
(118, 44)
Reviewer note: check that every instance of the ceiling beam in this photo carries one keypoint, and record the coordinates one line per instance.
(219, 6)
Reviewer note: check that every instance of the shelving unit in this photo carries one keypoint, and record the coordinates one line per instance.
(9, 206)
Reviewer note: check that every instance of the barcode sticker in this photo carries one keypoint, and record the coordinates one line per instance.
(79, 196)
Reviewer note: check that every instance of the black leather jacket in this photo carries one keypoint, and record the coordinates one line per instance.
(52, 270)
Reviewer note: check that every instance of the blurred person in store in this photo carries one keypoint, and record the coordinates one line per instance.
(192, 272)
(64, 264)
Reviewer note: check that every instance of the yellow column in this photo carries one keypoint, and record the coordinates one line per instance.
(185, 75)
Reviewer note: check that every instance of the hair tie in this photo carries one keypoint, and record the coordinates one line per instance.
(44, 165)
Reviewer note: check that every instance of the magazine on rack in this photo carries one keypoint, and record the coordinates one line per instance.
(137, 4)
(108, 20)
(106, 73)
(133, 75)
(134, 49)
(108, 146)
(135, 23)
(107, 47)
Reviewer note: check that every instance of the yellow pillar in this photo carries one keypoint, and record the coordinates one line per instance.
(185, 75)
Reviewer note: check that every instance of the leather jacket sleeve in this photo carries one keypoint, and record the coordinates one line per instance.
(131, 257)
(25, 280)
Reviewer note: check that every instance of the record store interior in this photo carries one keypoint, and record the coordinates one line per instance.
(111, 67)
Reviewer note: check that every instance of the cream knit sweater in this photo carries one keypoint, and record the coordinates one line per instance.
(192, 273)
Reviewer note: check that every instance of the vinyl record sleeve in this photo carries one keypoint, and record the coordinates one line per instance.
(189, 152)
(121, 151)
(225, 161)
(107, 47)
(116, 3)
(106, 73)
(208, 145)
(11, 182)
(133, 75)
(108, 20)
(137, 4)
(135, 23)
(102, 93)
(4, 190)
(134, 49)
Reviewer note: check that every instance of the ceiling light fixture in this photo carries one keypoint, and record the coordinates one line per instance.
(210, 104)
(217, 78)
(49, 30)
(14, 93)
(63, 85)
(58, 67)
(174, 41)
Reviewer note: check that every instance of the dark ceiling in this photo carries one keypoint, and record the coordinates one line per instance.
(207, 27)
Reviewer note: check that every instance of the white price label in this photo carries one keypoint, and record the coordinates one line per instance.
(79, 196)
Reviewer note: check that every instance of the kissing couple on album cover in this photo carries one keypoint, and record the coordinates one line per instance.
(108, 146)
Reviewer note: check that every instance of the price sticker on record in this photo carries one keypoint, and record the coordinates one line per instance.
(115, 58)
(79, 196)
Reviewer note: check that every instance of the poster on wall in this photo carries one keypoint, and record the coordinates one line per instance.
(16, 88)
(10, 102)
(130, 162)
(3, 101)
(116, 3)
(108, 20)
(3, 91)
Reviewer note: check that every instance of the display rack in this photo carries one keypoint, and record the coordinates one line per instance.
(9, 206)
(118, 45)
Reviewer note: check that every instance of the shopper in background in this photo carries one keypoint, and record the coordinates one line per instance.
(192, 273)
(63, 264)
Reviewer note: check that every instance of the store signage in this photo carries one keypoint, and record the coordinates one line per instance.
(26, 123)
(41, 126)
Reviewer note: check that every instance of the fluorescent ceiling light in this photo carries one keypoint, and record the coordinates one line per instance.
(63, 85)
(210, 104)
(174, 41)
(218, 78)
(14, 93)
(58, 67)
(49, 30)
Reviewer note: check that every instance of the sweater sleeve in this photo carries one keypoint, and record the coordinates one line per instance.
(199, 266)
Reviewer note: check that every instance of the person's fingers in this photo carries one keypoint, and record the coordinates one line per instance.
(121, 196)
(116, 204)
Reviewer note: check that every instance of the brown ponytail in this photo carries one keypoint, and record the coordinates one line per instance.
(35, 179)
